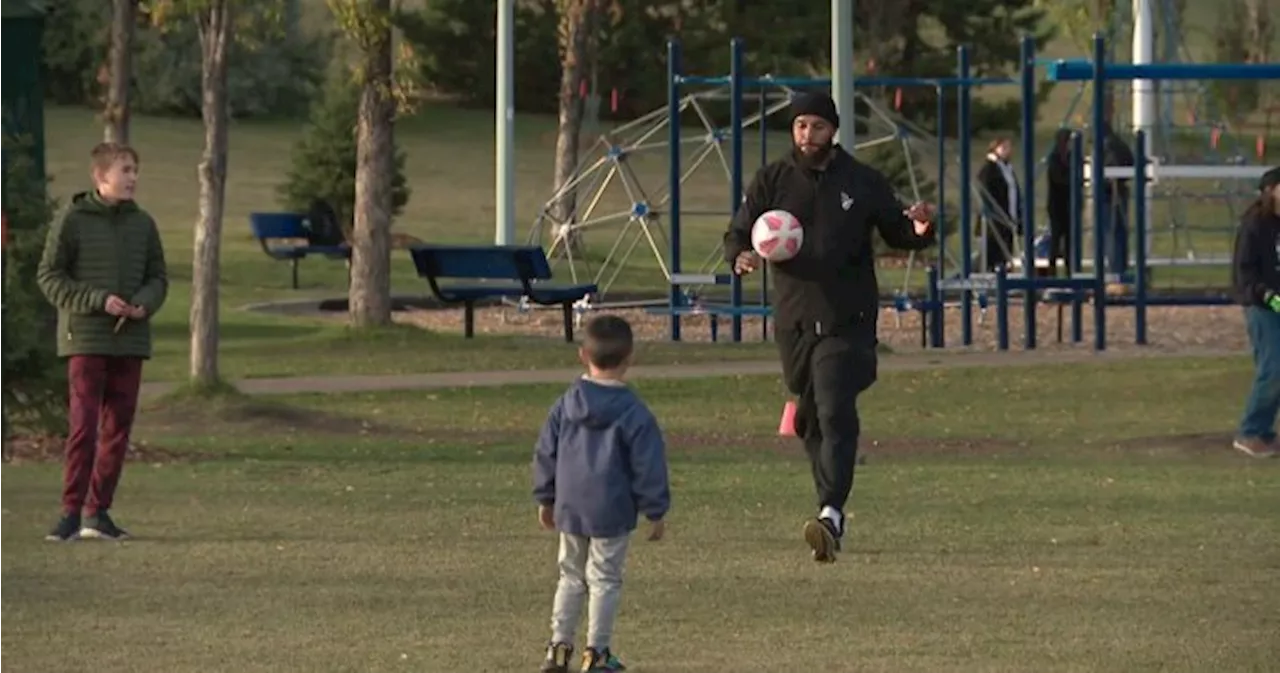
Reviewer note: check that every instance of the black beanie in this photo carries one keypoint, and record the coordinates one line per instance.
(817, 104)
(1269, 179)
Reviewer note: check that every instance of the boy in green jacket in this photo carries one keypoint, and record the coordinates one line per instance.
(103, 268)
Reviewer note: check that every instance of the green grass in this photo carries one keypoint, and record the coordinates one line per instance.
(999, 527)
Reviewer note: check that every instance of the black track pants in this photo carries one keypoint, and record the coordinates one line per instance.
(827, 372)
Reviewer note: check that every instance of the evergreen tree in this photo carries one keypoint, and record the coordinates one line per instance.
(324, 160)
(911, 38)
(35, 384)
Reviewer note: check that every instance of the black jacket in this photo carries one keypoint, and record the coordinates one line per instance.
(832, 279)
(1255, 267)
(1058, 174)
(995, 196)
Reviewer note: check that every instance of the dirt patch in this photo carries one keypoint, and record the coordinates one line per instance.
(1196, 444)
(244, 415)
(50, 449)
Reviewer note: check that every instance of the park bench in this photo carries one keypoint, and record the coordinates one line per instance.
(283, 236)
(494, 272)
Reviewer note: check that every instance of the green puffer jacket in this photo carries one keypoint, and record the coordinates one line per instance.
(97, 250)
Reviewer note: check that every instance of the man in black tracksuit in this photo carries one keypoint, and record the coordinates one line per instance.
(827, 297)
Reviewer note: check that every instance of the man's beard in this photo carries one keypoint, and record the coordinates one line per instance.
(814, 158)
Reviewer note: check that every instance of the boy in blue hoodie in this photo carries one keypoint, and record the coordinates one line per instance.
(599, 463)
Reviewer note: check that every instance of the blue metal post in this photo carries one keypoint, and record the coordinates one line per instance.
(673, 177)
(1140, 237)
(1002, 309)
(735, 165)
(1029, 188)
(764, 160)
(966, 231)
(1099, 194)
(934, 297)
(939, 330)
(1075, 254)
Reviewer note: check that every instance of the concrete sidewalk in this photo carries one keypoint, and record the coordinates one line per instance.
(911, 362)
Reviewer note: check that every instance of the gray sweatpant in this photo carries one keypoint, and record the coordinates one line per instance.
(588, 565)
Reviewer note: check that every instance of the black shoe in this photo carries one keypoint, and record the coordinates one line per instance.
(823, 539)
(558, 656)
(101, 527)
(68, 529)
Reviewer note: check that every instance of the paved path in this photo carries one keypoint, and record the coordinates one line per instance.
(362, 383)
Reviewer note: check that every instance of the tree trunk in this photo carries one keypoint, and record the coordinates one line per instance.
(1260, 30)
(573, 57)
(370, 292)
(115, 114)
(215, 30)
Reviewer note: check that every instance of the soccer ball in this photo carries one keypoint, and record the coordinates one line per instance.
(777, 236)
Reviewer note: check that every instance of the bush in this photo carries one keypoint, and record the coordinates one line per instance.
(324, 160)
(35, 384)
(268, 75)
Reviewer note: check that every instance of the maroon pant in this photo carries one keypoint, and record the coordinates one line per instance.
(104, 397)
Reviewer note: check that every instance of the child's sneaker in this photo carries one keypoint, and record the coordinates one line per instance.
(101, 527)
(594, 661)
(68, 529)
(558, 656)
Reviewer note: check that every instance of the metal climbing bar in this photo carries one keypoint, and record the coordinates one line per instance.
(767, 80)
(1078, 70)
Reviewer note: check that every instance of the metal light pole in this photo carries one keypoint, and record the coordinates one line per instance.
(842, 70)
(4, 310)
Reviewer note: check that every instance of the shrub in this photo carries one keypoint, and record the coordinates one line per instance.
(324, 159)
(35, 384)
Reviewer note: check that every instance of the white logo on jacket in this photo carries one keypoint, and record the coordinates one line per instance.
(846, 202)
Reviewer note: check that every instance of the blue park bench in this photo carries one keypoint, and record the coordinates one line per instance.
(511, 271)
(268, 227)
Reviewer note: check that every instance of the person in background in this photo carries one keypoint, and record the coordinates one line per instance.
(1115, 229)
(1255, 273)
(1001, 203)
(1058, 175)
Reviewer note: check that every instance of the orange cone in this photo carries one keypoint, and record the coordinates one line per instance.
(787, 426)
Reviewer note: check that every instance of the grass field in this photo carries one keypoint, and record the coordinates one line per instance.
(1041, 519)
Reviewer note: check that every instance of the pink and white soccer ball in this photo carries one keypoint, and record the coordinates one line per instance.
(777, 236)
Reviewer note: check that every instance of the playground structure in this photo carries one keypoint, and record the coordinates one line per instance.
(614, 191)
(953, 281)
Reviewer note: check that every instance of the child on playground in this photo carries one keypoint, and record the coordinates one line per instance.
(1256, 276)
(599, 463)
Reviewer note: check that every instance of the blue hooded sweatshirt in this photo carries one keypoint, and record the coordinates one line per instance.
(600, 461)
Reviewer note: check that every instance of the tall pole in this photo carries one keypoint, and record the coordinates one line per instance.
(504, 195)
(1144, 90)
(4, 303)
(842, 69)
